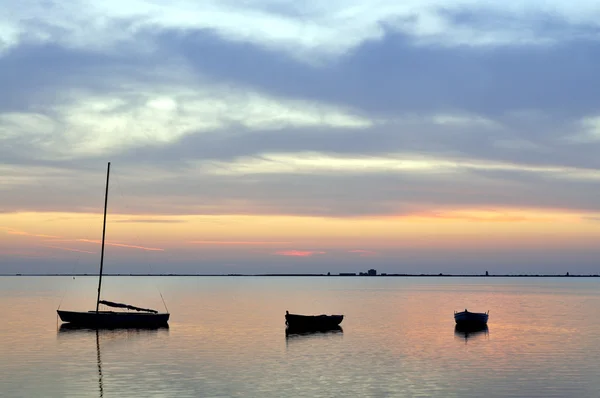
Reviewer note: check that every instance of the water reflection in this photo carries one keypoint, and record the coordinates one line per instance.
(67, 329)
(227, 341)
(300, 334)
(99, 360)
(470, 332)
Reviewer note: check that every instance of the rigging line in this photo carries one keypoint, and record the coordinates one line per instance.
(163, 300)
(68, 285)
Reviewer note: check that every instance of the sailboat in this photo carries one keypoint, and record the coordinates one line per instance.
(142, 317)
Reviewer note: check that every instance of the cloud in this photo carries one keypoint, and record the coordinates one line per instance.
(311, 32)
(304, 163)
(590, 131)
(393, 118)
(120, 245)
(320, 109)
(491, 216)
(236, 243)
(151, 221)
(69, 249)
(94, 125)
(12, 231)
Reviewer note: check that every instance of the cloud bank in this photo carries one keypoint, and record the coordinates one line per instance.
(327, 109)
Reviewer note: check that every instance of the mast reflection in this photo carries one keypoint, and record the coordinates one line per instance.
(99, 364)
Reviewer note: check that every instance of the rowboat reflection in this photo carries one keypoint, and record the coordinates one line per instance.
(292, 333)
(471, 331)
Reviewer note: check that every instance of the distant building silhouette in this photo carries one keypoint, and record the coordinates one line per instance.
(487, 273)
(372, 272)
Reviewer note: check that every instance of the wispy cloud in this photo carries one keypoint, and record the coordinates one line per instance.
(69, 249)
(142, 114)
(12, 231)
(120, 245)
(490, 216)
(151, 221)
(238, 243)
(591, 218)
(316, 162)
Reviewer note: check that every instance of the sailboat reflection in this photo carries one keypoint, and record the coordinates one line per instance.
(470, 332)
(67, 329)
(114, 331)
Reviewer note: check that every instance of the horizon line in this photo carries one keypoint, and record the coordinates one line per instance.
(344, 275)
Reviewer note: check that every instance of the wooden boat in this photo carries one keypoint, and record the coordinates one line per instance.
(312, 322)
(142, 318)
(466, 318)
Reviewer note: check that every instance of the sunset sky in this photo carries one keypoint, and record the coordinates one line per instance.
(316, 136)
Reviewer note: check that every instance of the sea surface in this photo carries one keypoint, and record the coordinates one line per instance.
(227, 338)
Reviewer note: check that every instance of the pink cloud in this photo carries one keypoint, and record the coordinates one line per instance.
(12, 231)
(120, 245)
(96, 241)
(298, 253)
(69, 249)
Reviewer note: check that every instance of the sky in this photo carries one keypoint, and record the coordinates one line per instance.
(271, 136)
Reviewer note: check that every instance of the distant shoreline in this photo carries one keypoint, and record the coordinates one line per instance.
(338, 276)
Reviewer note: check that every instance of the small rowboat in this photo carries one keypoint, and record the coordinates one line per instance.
(467, 318)
(312, 322)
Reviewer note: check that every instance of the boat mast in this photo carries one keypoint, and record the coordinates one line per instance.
(103, 234)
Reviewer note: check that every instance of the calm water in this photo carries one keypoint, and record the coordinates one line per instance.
(227, 338)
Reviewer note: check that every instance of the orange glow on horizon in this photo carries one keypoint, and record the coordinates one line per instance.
(476, 230)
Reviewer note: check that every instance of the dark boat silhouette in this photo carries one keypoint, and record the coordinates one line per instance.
(142, 317)
(466, 318)
(312, 322)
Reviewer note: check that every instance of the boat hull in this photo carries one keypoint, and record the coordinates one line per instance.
(470, 318)
(110, 319)
(313, 322)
